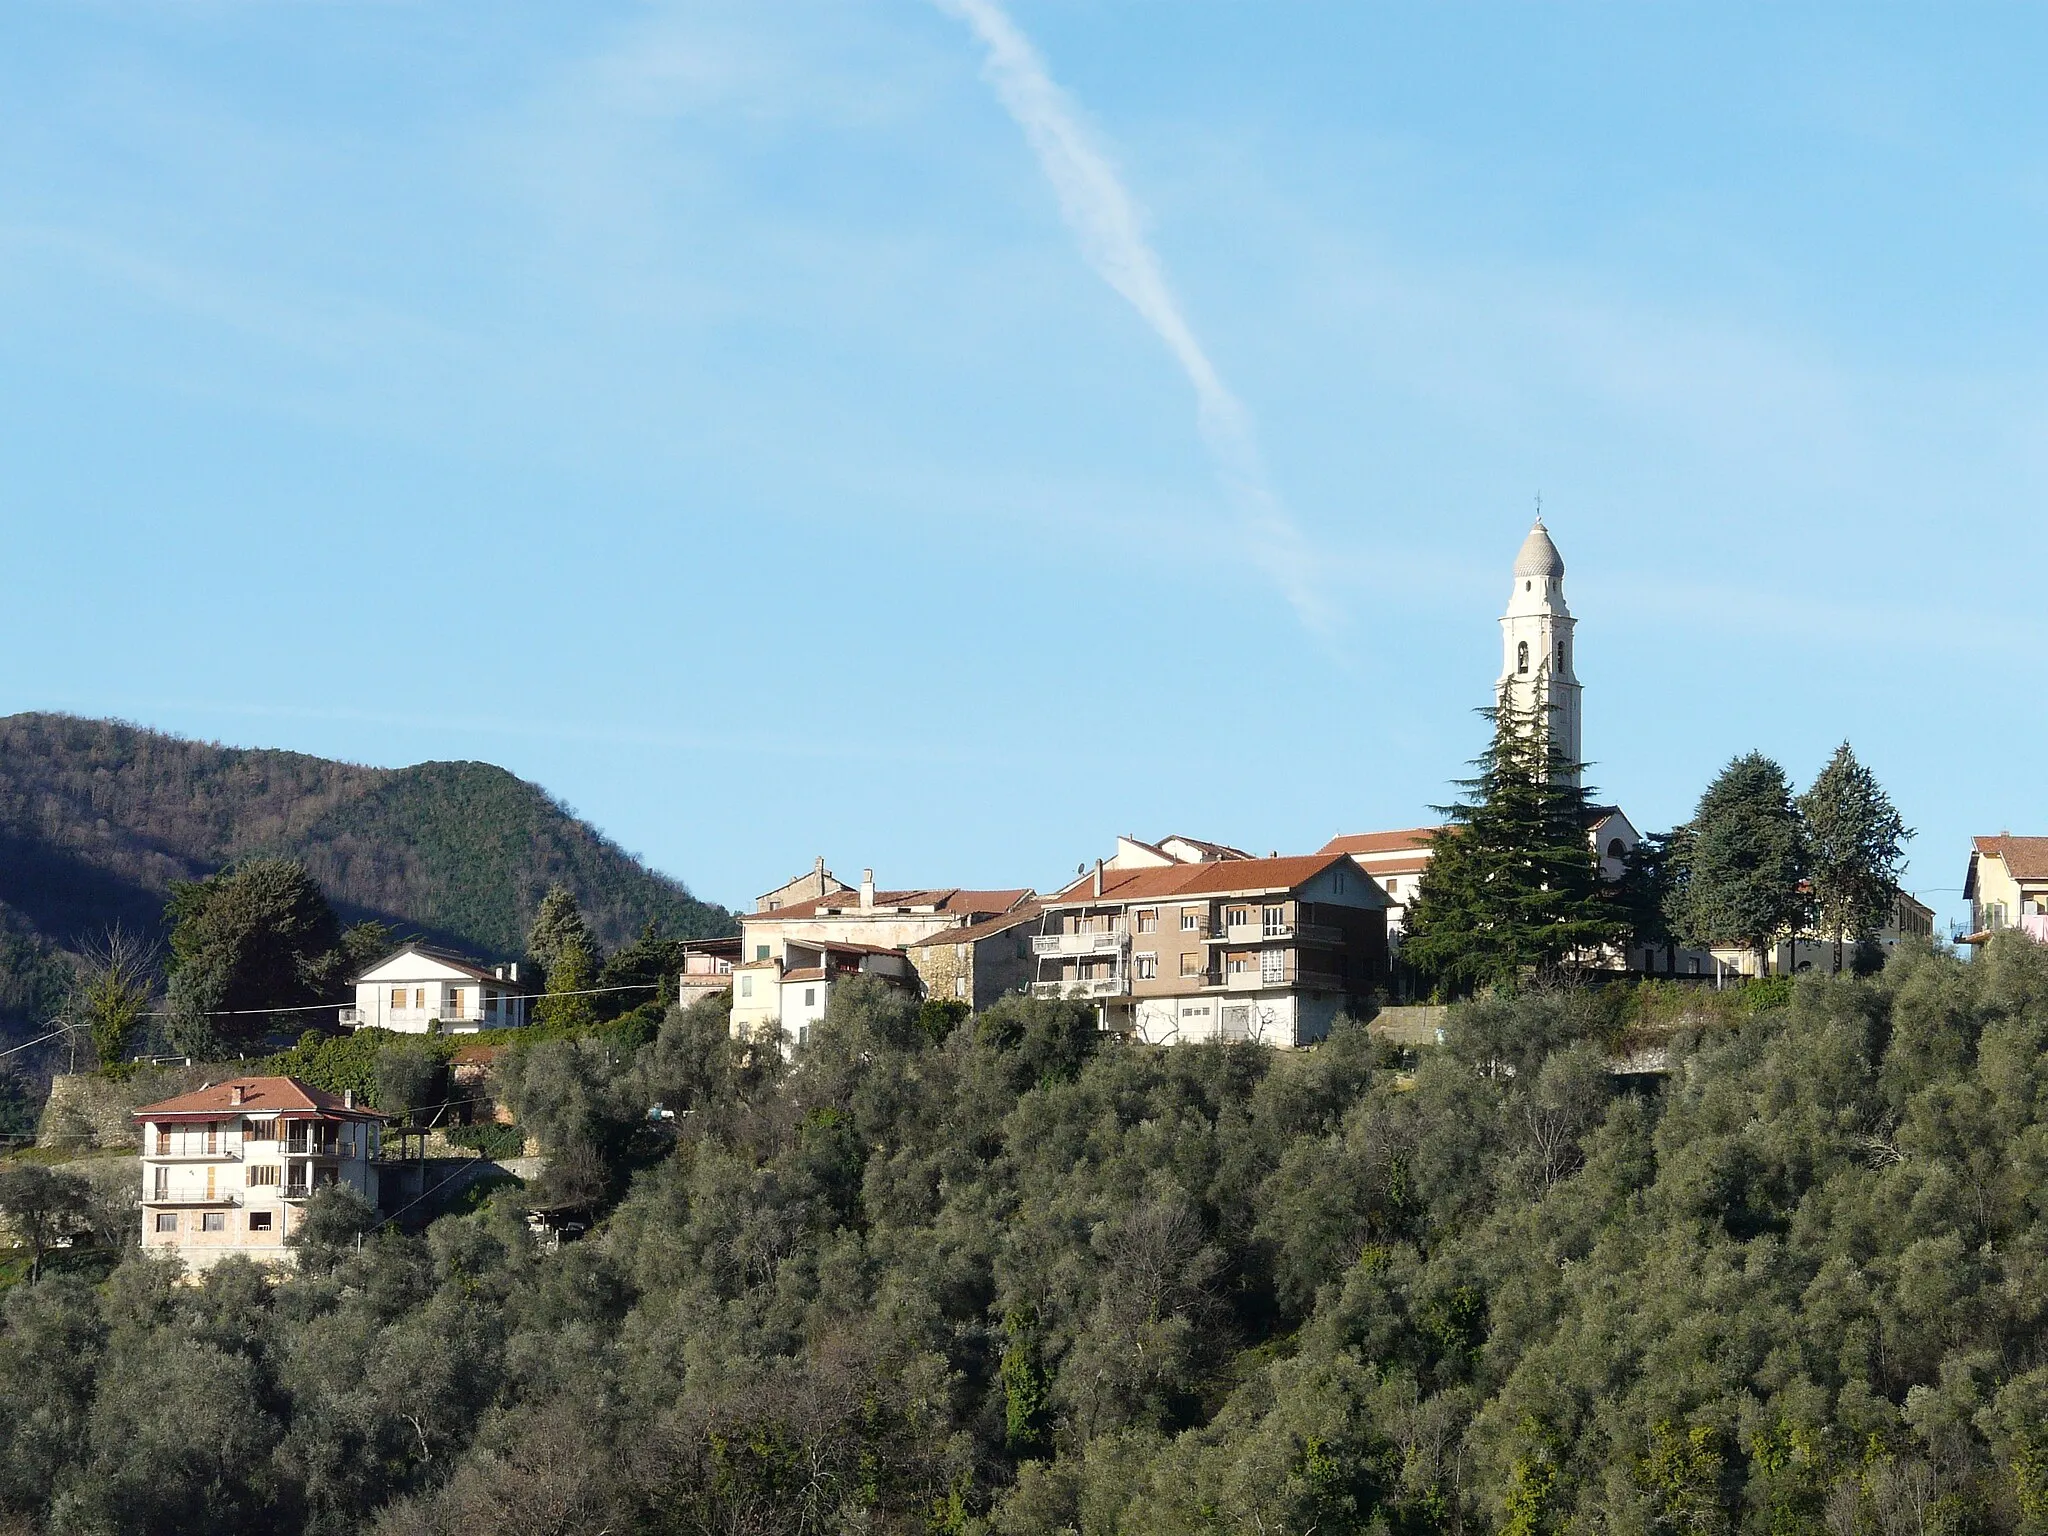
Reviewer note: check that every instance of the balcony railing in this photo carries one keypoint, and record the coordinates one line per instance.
(1097, 942)
(187, 1197)
(1105, 986)
(1269, 933)
(449, 1013)
(1257, 979)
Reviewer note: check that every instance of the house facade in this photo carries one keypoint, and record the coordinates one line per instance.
(422, 991)
(2007, 886)
(707, 969)
(981, 963)
(226, 1169)
(1269, 949)
(793, 955)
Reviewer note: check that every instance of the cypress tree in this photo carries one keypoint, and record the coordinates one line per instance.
(1854, 838)
(1513, 885)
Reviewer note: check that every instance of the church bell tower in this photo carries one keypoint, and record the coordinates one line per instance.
(1536, 631)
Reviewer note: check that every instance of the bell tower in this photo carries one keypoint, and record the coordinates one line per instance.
(1537, 665)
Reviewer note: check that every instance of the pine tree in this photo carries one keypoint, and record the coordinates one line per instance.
(1853, 837)
(1513, 885)
(1746, 860)
(558, 927)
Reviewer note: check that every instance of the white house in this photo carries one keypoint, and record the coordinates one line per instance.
(225, 1169)
(422, 991)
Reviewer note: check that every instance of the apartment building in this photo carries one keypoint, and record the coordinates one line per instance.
(226, 1169)
(417, 990)
(782, 996)
(1269, 949)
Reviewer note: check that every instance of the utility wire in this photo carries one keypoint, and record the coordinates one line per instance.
(509, 997)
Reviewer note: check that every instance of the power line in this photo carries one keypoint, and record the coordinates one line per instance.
(509, 997)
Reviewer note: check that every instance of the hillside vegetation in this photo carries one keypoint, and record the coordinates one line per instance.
(1014, 1277)
(97, 819)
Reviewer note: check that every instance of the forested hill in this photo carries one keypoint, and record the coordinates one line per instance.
(97, 818)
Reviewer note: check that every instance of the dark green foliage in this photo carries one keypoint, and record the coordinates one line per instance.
(42, 1205)
(1019, 1279)
(98, 819)
(1744, 861)
(114, 986)
(1855, 841)
(1512, 887)
(251, 938)
(490, 1139)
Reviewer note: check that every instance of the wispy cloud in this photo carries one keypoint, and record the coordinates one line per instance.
(1099, 210)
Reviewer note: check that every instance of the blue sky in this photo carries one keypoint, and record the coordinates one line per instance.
(719, 412)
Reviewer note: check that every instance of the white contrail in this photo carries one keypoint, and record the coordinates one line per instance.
(1099, 210)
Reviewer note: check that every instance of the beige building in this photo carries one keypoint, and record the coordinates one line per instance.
(1267, 949)
(421, 991)
(2007, 886)
(1906, 918)
(781, 997)
(226, 1169)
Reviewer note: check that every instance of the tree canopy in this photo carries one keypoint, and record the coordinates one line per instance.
(1745, 859)
(1513, 885)
(1026, 1278)
(255, 937)
(1855, 845)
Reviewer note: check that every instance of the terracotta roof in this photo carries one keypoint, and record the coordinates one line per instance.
(260, 1095)
(814, 974)
(951, 902)
(1227, 877)
(987, 928)
(2025, 858)
(1380, 842)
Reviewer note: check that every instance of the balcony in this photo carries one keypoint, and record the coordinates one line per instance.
(182, 1197)
(1258, 979)
(1104, 986)
(1098, 942)
(224, 1155)
(1272, 933)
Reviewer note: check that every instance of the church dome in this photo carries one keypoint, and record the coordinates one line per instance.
(1539, 557)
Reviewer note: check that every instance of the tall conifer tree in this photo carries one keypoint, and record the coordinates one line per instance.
(1512, 886)
(1745, 862)
(1854, 841)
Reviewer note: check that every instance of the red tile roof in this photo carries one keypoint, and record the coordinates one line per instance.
(1381, 842)
(260, 1095)
(953, 902)
(1225, 878)
(2025, 858)
(813, 974)
(987, 928)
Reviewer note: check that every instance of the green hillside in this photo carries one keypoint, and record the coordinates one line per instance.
(97, 818)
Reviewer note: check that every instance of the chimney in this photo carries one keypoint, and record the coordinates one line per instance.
(348, 1098)
(1098, 877)
(867, 890)
(235, 1094)
(819, 870)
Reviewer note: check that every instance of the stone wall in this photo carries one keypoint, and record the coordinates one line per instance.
(88, 1110)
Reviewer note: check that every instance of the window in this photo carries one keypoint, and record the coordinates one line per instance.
(209, 1183)
(1393, 884)
(163, 1184)
(1522, 657)
(1237, 1022)
(213, 1221)
(1148, 922)
(259, 1221)
(774, 903)
(398, 999)
(746, 986)
(1238, 917)
(760, 951)
(1191, 963)
(803, 1034)
(163, 1142)
(810, 997)
(419, 997)
(959, 986)
(1560, 655)
(1190, 919)
(259, 1130)
(263, 1173)
(212, 1139)
(1273, 966)
(167, 1221)
(1273, 920)
(1692, 967)
(1238, 965)
(1148, 967)
(1615, 849)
